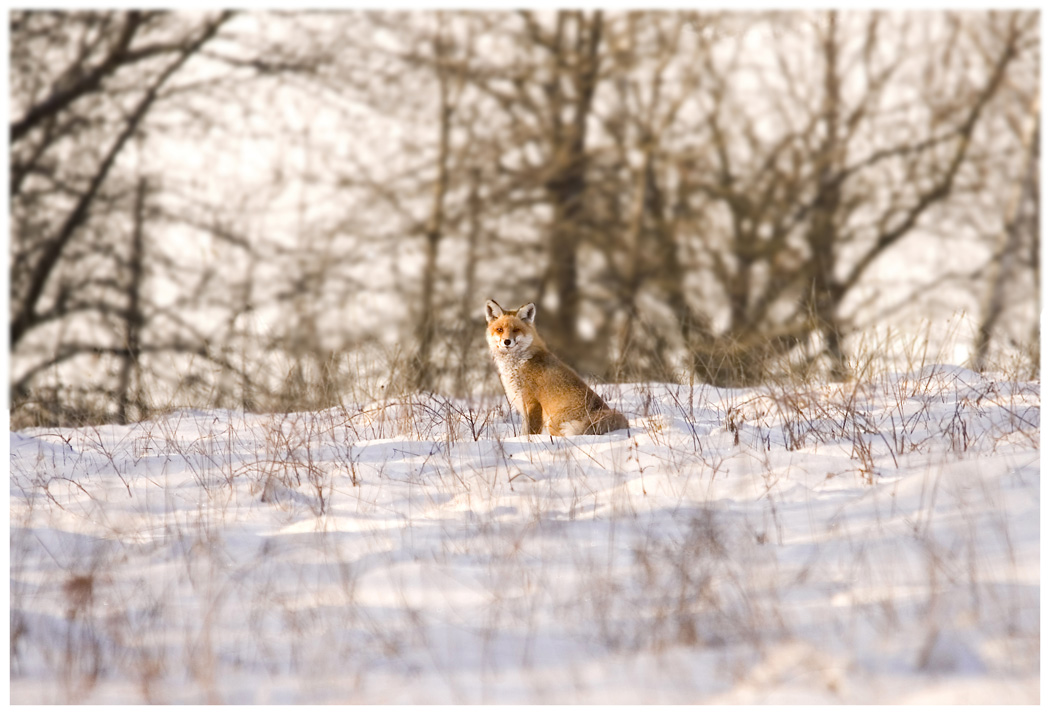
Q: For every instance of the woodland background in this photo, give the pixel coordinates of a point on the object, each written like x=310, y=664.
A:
x=277, y=211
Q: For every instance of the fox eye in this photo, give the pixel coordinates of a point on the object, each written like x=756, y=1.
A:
x=499, y=330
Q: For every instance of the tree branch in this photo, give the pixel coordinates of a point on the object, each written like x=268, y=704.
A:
x=90, y=82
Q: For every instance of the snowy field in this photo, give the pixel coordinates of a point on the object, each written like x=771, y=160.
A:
x=857, y=543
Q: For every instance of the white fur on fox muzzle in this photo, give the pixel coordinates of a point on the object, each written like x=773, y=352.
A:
x=518, y=342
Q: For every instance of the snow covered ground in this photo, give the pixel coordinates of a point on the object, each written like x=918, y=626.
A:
x=859, y=543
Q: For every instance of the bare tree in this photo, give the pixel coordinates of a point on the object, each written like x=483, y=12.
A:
x=133, y=317
x=42, y=125
x=546, y=92
x=850, y=198
x=82, y=86
x=1019, y=219
x=651, y=81
x=573, y=62
x=422, y=377
x=713, y=192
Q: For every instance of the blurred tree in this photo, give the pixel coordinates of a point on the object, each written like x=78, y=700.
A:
x=133, y=314
x=569, y=78
x=51, y=119
x=1009, y=246
x=82, y=85
x=653, y=77
x=543, y=86
x=814, y=201
x=719, y=193
x=1007, y=211
x=422, y=377
x=932, y=165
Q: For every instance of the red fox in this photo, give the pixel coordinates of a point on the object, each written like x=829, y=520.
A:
x=546, y=391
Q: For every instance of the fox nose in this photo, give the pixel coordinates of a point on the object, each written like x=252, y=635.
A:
x=506, y=341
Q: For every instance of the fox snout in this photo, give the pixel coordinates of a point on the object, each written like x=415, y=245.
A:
x=507, y=336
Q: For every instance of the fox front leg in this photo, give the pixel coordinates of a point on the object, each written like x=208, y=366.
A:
x=533, y=421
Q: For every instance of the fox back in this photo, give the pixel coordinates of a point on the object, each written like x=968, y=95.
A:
x=546, y=391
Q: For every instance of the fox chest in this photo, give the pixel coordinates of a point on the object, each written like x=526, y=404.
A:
x=514, y=383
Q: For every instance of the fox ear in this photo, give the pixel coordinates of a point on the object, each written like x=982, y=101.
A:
x=492, y=311
x=527, y=313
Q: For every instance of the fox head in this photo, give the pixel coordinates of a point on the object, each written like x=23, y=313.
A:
x=510, y=331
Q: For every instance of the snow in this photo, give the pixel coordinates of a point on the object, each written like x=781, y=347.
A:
x=873, y=542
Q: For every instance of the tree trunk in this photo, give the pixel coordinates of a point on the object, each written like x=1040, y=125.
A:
x=1002, y=266
x=632, y=278
x=133, y=317
x=422, y=376
x=822, y=234
x=567, y=179
x=468, y=311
